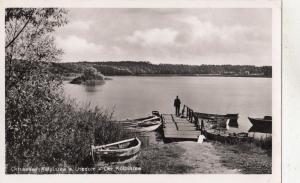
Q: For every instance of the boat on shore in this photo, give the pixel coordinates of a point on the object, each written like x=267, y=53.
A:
x=230, y=119
x=265, y=122
x=119, y=152
x=226, y=137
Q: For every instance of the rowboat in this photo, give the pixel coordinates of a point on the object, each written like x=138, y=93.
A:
x=217, y=117
x=154, y=117
x=213, y=116
x=149, y=122
x=226, y=137
x=120, y=152
x=146, y=121
x=141, y=129
x=265, y=122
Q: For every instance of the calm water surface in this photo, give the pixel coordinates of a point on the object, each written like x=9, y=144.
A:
x=132, y=97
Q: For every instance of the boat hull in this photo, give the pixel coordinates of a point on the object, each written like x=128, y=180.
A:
x=261, y=123
x=141, y=129
x=112, y=154
x=232, y=118
x=213, y=116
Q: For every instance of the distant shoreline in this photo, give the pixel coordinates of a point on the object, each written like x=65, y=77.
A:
x=187, y=75
x=130, y=68
x=107, y=77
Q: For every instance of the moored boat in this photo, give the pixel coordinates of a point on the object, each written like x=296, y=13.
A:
x=224, y=120
x=265, y=122
x=121, y=152
x=155, y=116
x=141, y=129
x=149, y=122
x=214, y=116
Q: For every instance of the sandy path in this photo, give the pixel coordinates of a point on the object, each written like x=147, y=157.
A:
x=203, y=158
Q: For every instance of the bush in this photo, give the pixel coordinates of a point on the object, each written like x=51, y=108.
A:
x=61, y=137
x=90, y=76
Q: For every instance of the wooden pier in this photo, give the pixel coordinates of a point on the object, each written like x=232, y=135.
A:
x=191, y=124
x=177, y=129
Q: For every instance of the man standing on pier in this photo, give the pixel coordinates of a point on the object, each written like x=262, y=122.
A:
x=177, y=105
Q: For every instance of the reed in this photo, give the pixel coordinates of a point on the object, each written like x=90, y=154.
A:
x=264, y=143
x=67, y=132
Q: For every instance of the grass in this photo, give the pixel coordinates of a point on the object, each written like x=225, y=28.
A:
x=264, y=143
x=247, y=157
x=155, y=159
x=161, y=159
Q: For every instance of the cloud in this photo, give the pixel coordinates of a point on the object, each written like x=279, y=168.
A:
x=78, y=48
x=153, y=37
x=187, y=35
x=79, y=25
x=209, y=38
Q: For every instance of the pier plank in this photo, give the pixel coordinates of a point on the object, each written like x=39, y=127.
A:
x=176, y=128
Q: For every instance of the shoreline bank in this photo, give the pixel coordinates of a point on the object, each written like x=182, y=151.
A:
x=205, y=158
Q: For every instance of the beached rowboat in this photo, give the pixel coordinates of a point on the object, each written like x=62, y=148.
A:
x=120, y=152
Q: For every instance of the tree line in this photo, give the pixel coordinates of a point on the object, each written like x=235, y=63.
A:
x=123, y=68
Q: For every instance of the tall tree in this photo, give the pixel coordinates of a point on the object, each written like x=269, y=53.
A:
x=30, y=90
x=28, y=39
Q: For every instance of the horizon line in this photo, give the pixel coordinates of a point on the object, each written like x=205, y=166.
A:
x=161, y=63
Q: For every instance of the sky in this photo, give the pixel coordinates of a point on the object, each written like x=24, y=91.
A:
x=198, y=36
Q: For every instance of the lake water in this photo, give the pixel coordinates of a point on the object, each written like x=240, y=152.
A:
x=133, y=97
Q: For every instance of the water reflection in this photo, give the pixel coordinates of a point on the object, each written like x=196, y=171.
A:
x=133, y=97
x=93, y=86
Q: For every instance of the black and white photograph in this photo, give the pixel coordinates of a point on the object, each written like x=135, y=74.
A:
x=142, y=90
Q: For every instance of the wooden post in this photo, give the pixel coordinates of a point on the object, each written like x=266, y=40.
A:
x=182, y=112
x=197, y=123
x=187, y=112
x=162, y=120
x=191, y=115
x=174, y=122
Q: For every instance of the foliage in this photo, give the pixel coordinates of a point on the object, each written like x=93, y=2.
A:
x=28, y=40
x=90, y=76
x=90, y=72
x=30, y=90
x=42, y=127
x=146, y=68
